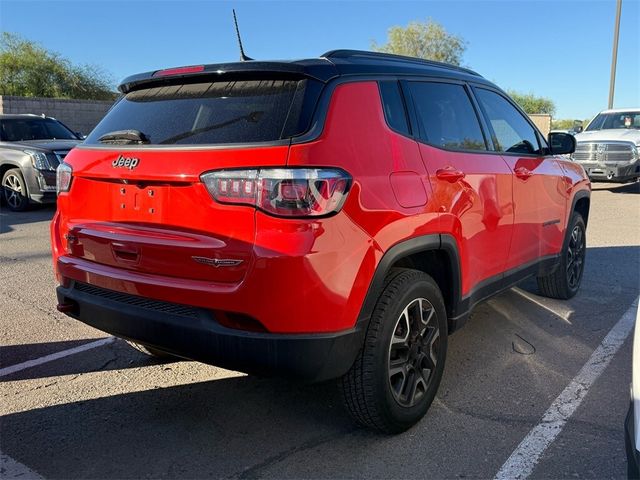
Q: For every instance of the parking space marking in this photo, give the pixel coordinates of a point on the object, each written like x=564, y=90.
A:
x=9, y=468
x=562, y=315
x=525, y=457
x=54, y=356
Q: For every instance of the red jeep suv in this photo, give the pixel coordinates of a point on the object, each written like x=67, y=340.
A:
x=328, y=218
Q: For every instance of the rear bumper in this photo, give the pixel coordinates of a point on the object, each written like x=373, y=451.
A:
x=194, y=333
x=302, y=277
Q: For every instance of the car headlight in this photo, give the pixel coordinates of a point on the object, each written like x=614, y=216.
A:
x=64, y=174
x=39, y=160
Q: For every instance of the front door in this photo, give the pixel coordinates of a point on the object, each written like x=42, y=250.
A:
x=539, y=196
x=472, y=186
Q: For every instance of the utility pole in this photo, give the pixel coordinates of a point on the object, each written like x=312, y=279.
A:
x=614, y=56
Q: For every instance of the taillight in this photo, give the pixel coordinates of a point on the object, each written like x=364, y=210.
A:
x=286, y=192
x=64, y=174
x=179, y=71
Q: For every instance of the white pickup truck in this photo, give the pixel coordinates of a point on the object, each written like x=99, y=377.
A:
x=608, y=148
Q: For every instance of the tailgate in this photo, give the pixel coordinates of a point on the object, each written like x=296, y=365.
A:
x=157, y=217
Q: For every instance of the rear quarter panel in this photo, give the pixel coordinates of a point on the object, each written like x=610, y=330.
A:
x=576, y=180
x=357, y=139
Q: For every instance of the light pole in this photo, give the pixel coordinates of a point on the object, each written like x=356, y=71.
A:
x=614, y=56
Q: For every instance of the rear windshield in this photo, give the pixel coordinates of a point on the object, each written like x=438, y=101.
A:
x=208, y=113
x=21, y=129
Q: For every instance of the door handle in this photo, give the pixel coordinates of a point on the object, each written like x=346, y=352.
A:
x=449, y=174
x=523, y=173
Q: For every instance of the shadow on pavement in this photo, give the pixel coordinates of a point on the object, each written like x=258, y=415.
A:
x=14, y=354
x=633, y=187
x=209, y=429
x=114, y=356
x=9, y=219
x=246, y=427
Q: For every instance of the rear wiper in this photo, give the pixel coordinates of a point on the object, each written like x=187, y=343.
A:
x=124, y=137
x=252, y=117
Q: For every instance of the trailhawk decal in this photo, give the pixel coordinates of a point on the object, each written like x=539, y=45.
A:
x=218, y=262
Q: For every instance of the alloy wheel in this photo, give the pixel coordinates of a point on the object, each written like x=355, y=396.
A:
x=13, y=190
x=413, y=352
x=575, y=257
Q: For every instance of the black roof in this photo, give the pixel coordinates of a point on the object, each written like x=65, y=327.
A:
x=329, y=65
x=391, y=62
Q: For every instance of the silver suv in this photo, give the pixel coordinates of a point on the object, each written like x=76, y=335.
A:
x=31, y=148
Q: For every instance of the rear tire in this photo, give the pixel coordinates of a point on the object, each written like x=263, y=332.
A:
x=14, y=190
x=564, y=282
x=397, y=373
x=152, y=352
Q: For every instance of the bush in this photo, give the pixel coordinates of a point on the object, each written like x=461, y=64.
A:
x=29, y=70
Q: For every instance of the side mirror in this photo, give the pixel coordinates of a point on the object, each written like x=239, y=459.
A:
x=562, y=143
x=578, y=129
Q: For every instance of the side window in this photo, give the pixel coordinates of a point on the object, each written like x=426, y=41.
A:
x=393, y=106
x=446, y=116
x=513, y=134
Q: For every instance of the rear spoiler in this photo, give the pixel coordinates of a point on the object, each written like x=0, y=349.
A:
x=318, y=69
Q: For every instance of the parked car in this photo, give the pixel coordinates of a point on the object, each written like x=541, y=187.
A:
x=608, y=147
x=329, y=218
x=31, y=148
x=570, y=131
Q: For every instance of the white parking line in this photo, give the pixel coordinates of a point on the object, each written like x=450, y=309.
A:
x=54, y=356
x=526, y=456
x=9, y=468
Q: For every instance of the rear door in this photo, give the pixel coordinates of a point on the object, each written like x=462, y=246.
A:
x=472, y=185
x=538, y=189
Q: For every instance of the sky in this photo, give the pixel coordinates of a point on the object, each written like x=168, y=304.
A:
x=559, y=49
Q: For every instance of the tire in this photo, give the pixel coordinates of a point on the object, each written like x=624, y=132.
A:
x=408, y=327
x=14, y=190
x=564, y=282
x=152, y=352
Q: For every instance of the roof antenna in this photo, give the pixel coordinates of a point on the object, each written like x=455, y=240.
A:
x=243, y=57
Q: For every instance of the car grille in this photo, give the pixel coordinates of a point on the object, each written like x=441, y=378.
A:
x=60, y=154
x=141, y=302
x=603, y=152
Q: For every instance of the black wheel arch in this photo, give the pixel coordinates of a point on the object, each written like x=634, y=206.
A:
x=581, y=203
x=435, y=254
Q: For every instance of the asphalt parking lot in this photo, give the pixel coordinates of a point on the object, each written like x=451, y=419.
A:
x=111, y=412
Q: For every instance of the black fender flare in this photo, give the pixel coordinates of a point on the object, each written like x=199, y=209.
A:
x=423, y=243
x=579, y=195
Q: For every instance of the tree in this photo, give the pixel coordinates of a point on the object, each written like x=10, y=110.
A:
x=27, y=69
x=568, y=124
x=532, y=104
x=428, y=40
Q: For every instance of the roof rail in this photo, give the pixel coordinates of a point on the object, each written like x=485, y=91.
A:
x=392, y=56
